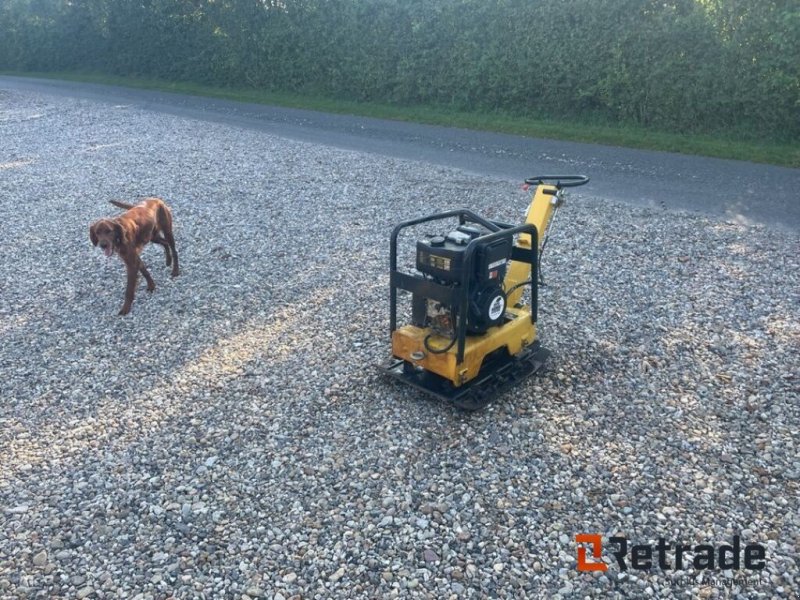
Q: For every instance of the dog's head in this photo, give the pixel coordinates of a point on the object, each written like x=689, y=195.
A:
x=108, y=234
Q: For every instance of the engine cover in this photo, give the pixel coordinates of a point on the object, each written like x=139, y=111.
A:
x=442, y=257
x=487, y=307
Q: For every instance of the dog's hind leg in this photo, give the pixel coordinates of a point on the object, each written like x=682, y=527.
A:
x=162, y=242
x=171, y=242
x=165, y=227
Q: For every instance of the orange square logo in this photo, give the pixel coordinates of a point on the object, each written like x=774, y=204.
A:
x=596, y=542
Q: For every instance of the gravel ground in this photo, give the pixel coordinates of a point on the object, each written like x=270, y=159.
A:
x=228, y=438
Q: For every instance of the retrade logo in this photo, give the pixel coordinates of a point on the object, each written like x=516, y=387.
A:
x=669, y=555
x=596, y=542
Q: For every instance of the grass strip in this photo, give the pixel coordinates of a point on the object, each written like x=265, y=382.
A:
x=737, y=148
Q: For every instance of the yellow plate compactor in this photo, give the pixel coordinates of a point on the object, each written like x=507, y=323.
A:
x=470, y=334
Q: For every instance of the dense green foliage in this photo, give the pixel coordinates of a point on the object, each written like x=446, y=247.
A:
x=695, y=66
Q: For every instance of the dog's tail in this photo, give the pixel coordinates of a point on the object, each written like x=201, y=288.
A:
x=121, y=204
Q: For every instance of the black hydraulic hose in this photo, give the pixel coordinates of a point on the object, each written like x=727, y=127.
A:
x=519, y=285
x=438, y=350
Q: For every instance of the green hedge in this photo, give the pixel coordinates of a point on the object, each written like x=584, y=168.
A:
x=697, y=66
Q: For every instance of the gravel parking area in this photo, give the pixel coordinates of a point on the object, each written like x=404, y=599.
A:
x=229, y=439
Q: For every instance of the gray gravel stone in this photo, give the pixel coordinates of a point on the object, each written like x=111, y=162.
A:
x=228, y=438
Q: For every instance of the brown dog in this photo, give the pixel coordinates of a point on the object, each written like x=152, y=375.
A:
x=127, y=235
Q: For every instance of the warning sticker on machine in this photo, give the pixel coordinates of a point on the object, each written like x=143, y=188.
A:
x=497, y=308
x=497, y=263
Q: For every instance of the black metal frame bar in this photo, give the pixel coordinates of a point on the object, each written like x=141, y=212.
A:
x=460, y=295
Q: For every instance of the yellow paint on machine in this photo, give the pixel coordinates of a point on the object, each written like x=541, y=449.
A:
x=539, y=214
x=514, y=335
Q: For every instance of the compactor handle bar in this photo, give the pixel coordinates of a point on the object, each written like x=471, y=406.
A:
x=561, y=181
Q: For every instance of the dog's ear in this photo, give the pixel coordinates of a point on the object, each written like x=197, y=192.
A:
x=92, y=234
x=120, y=236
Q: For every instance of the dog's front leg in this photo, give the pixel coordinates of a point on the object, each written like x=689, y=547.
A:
x=133, y=272
x=151, y=285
